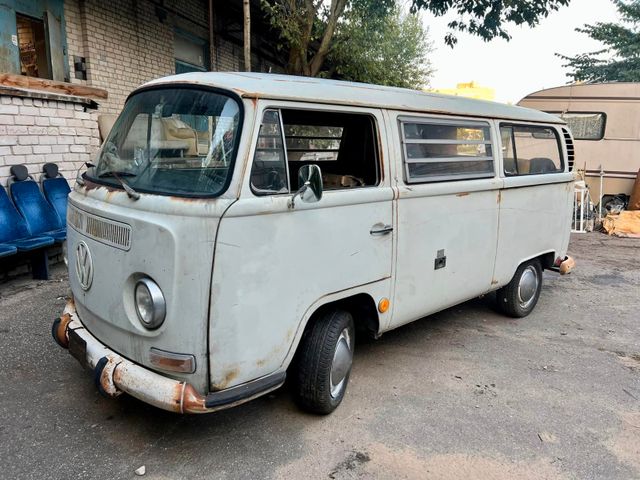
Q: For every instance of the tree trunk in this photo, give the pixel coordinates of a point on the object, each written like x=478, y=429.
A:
x=247, y=35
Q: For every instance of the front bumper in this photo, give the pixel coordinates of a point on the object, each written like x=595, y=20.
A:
x=114, y=374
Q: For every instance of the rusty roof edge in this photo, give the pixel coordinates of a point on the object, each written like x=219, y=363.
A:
x=270, y=86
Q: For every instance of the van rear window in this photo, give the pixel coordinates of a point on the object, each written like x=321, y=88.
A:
x=446, y=150
x=530, y=150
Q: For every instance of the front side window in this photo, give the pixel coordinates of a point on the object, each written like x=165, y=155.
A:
x=585, y=126
x=172, y=141
x=530, y=150
x=446, y=150
x=344, y=145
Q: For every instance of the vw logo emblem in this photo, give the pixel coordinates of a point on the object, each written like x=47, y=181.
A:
x=84, y=265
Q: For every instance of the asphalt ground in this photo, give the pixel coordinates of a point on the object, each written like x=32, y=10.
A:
x=464, y=394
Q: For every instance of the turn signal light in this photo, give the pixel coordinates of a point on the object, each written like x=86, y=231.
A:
x=383, y=305
x=172, y=362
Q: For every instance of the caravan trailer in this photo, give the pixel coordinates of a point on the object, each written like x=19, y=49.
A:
x=604, y=119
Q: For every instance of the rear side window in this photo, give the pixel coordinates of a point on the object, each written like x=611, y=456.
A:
x=446, y=150
x=530, y=150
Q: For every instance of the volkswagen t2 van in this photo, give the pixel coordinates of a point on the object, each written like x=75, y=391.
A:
x=237, y=229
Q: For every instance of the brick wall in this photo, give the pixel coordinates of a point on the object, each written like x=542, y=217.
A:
x=37, y=131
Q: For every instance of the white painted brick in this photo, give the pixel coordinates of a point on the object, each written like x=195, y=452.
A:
x=23, y=120
x=5, y=100
x=22, y=149
x=47, y=140
x=37, y=130
x=65, y=113
x=59, y=121
x=15, y=159
x=5, y=151
x=48, y=112
x=66, y=140
x=9, y=109
x=17, y=130
x=56, y=158
x=28, y=140
x=3, y=129
x=16, y=100
x=82, y=140
x=77, y=149
x=60, y=148
x=42, y=149
x=6, y=120
x=8, y=140
x=74, y=122
x=29, y=110
x=27, y=101
x=43, y=121
x=37, y=102
x=67, y=131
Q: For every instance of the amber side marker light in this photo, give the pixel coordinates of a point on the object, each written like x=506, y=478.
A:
x=173, y=362
x=383, y=305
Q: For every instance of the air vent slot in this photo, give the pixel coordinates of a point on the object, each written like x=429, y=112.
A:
x=570, y=148
x=100, y=229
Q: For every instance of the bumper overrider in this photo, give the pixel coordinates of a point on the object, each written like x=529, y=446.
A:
x=115, y=374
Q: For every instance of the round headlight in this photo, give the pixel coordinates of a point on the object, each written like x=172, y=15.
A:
x=150, y=304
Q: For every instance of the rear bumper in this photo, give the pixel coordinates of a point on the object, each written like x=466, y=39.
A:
x=115, y=374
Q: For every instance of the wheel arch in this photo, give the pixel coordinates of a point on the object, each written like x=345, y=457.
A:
x=359, y=303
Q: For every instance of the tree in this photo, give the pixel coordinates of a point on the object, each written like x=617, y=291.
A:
x=246, y=10
x=308, y=28
x=619, y=61
x=302, y=23
x=488, y=18
x=385, y=47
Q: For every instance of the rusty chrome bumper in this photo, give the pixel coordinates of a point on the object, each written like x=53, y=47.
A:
x=115, y=375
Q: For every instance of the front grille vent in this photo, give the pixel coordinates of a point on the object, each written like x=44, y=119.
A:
x=100, y=229
x=570, y=148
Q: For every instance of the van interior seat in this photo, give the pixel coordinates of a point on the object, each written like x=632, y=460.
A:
x=542, y=165
x=39, y=215
x=56, y=190
x=176, y=129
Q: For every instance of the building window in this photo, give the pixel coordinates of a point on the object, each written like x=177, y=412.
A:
x=32, y=44
x=437, y=150
x=585, y=125
x=530, y=150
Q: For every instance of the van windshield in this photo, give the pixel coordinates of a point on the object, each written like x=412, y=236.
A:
x=172, y=141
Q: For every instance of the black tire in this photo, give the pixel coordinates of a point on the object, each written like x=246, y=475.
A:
x=312, y=381
x=509, y=299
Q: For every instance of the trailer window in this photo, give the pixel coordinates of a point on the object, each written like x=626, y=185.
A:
x=446, y=150
x=585, y=126
x=530, y=150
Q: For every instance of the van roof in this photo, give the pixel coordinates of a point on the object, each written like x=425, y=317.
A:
x=288, y=87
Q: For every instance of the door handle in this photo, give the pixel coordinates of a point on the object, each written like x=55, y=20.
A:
x=381, y=230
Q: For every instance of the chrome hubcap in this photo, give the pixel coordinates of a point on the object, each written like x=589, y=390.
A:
x=528, y=286
x=342, y=358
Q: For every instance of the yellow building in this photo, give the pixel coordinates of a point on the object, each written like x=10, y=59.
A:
x=470, y=90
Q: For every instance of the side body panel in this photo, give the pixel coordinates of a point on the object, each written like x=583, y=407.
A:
x=457, y=219
x=535, y=218
x=274, y=264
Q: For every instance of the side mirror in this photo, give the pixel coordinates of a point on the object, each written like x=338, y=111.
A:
x=310, y=181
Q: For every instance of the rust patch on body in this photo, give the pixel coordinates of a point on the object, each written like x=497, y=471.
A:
x=462, y=194
x=190, y=401
x=61, y=331
x=228, y=378
x=494, y=282
x=499, y=197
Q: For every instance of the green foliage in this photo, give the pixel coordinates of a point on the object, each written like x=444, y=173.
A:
x=487, y=18
x=619, y=61
x=359, y=40
x=385, y=47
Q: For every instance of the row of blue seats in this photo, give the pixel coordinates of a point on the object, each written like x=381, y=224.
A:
x=35, y=215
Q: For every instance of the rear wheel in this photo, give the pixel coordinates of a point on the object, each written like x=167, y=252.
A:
x=520, y=296
x=323, y=362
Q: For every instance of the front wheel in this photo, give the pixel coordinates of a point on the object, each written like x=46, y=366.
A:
x=323, y=363
x=519, y=297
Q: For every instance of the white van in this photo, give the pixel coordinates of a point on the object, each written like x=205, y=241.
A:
x=240, y=228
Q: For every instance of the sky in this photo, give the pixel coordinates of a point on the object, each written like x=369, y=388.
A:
x=527, y=62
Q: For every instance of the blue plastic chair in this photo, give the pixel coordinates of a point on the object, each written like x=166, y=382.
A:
x=40, y=216
x=15, y=238
x=56, y=190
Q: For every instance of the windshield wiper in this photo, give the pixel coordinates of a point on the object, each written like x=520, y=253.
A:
x=118, y=176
